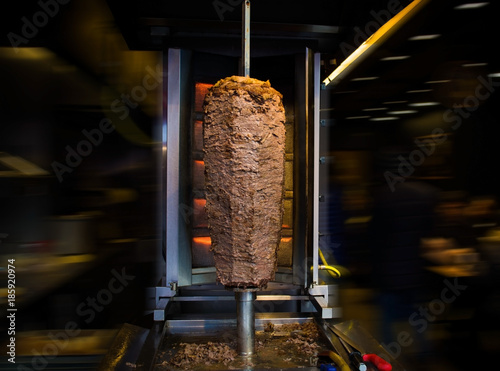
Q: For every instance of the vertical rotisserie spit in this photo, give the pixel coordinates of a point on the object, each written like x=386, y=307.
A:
x=244, y=147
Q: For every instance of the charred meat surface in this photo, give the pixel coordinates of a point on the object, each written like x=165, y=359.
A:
x=244, y=154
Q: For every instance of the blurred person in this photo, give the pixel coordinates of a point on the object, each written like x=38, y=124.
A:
x=465, y=219
x=451, y=223
x=480, y=214
x=344, y=197
x=357, y=206
x=332, y=216
x=402, y=214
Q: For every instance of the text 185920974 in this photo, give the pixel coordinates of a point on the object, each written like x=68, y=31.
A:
x=11, y=310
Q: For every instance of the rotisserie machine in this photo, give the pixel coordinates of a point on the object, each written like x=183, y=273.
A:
x=189, y=301
x=189, y=306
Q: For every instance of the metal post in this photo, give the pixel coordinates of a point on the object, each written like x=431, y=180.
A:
x=245, y=47
x=171, y=149
x=316, y=83
x=245, y=314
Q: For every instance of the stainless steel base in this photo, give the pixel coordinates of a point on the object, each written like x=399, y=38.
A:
x=271, y=351
x=245, y=317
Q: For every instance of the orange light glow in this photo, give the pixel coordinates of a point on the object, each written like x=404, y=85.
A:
x=202, y=241
x=286, y=239
x=199, y=202
x=201, y=91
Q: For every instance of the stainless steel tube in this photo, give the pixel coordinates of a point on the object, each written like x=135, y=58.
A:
x=245, y=44
x=245, y=313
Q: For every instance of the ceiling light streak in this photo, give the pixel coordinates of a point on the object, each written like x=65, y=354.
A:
x=404, y=112
x=424, y=104
x=479, y=64
x=424, y=37
x=388, y=118
x=357, y=117
x=395, y=58
x=419, y=91
x=367, y=78
x=374, y=41
x=467, y=6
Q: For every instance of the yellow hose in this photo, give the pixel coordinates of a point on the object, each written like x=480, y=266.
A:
x=339, y=361
x=329, y=268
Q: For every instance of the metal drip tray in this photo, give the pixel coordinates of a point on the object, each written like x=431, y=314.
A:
x=280, y=344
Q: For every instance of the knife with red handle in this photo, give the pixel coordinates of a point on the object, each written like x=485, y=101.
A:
x=379, y=362
x=369, y=360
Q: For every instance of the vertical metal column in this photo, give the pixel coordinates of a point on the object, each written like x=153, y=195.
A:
x=303, y=170
x=169, y=176
x=245, y=316
x=245, y=47
x=245, y=312
x=316, y=122
x=171, y=148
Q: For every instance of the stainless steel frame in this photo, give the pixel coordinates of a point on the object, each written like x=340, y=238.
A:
x=172, y=148
x=315, y=223
x=314, y=298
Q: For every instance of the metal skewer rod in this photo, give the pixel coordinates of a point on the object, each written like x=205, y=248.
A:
x=245, y=316
x=246, y=38
x=245, y=311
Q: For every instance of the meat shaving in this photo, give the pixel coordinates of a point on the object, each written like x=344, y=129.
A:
x=290, y=342
x=304, y=338
x=190, y=355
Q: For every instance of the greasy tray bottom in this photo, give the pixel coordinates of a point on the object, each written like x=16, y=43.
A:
x=286, y=346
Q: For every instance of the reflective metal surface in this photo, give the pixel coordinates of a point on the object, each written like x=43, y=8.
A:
x=282, y=342
x=246, y=38
x=171, y=167
x=245, y=314
x=204, y=324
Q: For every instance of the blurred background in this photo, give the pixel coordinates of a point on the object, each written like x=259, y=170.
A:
x=79, y=174
x=408, y=146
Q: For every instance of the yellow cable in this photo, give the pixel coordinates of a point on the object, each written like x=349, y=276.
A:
x=322, y=257
x=339, y=361
x=329, y=268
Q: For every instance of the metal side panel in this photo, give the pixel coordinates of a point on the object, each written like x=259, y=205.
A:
x=171, y=138
x=303, y=169
x=316, y=106
x=178, y=260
